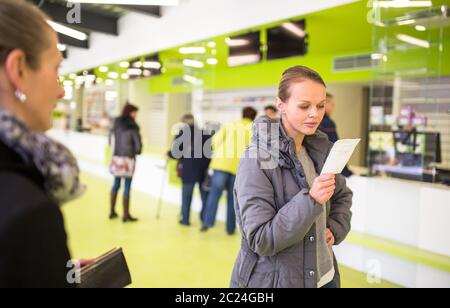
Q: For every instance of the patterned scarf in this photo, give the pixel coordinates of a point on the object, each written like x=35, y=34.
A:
x=54, y=161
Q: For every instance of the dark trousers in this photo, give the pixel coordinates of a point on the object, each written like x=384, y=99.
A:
x=186, y=200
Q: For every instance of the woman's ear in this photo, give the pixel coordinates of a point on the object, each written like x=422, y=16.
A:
x=281, y=105
x=16, y=69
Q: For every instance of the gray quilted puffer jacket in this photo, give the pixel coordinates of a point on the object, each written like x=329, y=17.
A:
x=276, y=214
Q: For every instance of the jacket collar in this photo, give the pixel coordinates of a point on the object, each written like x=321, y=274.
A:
x=317, y=145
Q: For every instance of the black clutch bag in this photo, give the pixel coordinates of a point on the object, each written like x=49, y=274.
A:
x=108, y=271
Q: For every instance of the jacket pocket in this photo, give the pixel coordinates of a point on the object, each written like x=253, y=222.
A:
x=248, y=264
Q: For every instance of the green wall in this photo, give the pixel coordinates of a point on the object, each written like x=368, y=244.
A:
x=339, y=31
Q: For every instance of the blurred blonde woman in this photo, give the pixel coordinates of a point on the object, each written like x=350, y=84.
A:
x=37, y=174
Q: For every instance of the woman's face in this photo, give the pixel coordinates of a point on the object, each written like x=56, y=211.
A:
x=43, y=89
x=305, y=108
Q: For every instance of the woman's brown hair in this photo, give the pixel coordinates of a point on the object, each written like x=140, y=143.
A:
x=296, y=74
x=23, y=26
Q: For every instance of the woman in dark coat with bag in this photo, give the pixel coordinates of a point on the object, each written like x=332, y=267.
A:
x=126, y=141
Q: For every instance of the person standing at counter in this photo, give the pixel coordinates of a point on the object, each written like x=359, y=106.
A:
x=125, y=139
x=289, y=216
x=193, y=162
x=328, y=126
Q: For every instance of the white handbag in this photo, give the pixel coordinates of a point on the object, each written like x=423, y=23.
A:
x=122, y=166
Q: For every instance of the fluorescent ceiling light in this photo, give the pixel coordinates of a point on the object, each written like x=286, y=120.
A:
x=124, y=64
x=192, y=50
x=146, y=73
x=152, y=64
x=113, y=75
x=131, y=2
x=413, y=40
x=90, y=78
x=134, y=72
x=401, y=4
x=192, y=79
x=421, y=28
x=125, y=76
x=81, y=36
x=236, y=42
x=79, y=80
x=242, y=60
x=377, y=56
x=212, y=61
x=137, y=64
x=193, y=63
x=62, y=47
x=294, y=29
x=212, y=44
x=103, y=69
x=406, y=22
x=109, y=82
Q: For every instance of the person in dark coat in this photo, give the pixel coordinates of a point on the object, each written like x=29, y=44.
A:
x=328, y=126
x=126, y=141
x=37, y=174
x=192, y=148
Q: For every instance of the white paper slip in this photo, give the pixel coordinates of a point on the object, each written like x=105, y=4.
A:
x=339, y=156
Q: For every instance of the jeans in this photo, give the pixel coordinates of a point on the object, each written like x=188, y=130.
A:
x=186, y=200
x=116, y=186
x=219, y=182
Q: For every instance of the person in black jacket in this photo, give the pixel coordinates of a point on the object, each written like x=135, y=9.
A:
x=37, y=174
x=192, y=148
x=328, y=126
x=127, y=144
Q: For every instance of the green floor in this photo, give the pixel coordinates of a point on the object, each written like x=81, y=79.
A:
x=160, y=253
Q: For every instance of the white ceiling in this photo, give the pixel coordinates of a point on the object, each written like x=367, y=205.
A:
x=191, y=21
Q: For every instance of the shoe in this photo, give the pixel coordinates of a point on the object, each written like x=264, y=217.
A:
x=126, y=211
x=113, y=199
x=184, y=224
x=129, y=219
x=230, y=233
x=204, y=229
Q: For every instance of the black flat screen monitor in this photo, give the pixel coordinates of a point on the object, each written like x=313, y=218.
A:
x=244, y=49
x=287, y=40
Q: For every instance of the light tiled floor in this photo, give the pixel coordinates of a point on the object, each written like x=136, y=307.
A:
x=160, y=253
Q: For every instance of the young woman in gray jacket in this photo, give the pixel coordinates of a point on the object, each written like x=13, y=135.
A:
x=289, y=216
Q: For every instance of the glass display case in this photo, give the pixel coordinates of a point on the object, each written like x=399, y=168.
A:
x=409, y=135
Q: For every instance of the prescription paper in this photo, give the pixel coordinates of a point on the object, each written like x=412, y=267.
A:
x=339, y=156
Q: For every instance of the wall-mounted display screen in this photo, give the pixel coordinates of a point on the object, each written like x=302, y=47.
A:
x=244, y=49
x=287, y=40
